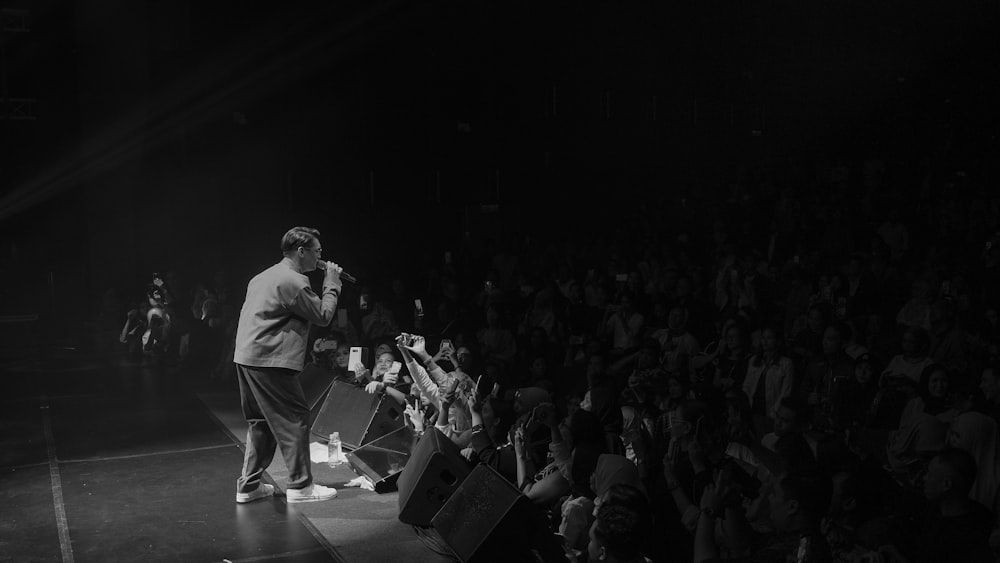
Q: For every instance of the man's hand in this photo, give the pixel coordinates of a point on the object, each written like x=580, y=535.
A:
x=374, y=387
x=390, y=379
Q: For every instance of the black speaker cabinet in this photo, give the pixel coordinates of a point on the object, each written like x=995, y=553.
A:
x=359, y=416
x=482, y=513
x=383, y=459
x=435, y=469
x=315, y=382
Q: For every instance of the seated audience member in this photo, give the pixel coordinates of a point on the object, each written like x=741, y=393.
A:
x=988, y=400
x=923, y=424
x=952, y=526
x=623, y=325
x=823, y=376
x=857, y=395
x=730, y=365
x=770, y=378
x=677, y=344
x=911, y=361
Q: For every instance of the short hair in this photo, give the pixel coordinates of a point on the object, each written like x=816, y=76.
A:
x=296, y=237
x=622, y=529
x=626, y=495
x=962, y=466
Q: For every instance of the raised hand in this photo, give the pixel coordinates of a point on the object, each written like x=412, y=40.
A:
x=416, y=417
x=519, y=441
x=417, y=346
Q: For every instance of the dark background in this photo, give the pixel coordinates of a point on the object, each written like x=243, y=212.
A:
x=190, y=135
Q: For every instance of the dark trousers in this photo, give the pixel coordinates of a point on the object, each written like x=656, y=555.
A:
x=278, y=416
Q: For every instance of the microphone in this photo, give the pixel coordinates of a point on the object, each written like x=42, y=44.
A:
x=321, y=265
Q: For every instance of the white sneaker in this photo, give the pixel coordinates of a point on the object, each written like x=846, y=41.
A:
x=312, y=493
x=264, y=490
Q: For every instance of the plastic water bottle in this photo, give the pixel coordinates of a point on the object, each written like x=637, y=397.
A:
x=335, y=453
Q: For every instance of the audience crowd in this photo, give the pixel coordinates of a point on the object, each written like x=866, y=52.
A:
x=771, y=373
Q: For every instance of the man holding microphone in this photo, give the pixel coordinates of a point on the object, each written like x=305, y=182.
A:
x=270, y=351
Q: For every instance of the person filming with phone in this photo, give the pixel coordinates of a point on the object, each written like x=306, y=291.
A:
x=270, y=350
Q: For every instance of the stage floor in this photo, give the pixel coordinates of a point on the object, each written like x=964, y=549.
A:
x=105, y=460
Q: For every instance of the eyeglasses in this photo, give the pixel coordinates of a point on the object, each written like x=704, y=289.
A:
x=318, y=251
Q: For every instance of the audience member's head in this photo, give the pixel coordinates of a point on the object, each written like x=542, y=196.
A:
x=799, y=500
x=618, y=532
x=950, y=474
x=793, y=416
x=989, y=384
x=933, y=389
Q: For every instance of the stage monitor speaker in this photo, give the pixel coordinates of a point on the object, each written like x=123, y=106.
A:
x=315, y=381
x=359, y=416
x=435, y=469
x=383, y=459
x=482, y=515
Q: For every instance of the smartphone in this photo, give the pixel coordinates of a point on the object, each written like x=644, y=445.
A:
x=357, y=357
x=395, y=367
x=419, y=306
x=363, y=302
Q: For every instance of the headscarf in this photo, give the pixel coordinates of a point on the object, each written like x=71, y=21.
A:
x=531, y=397
x=976, y=433
x=613, y=469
